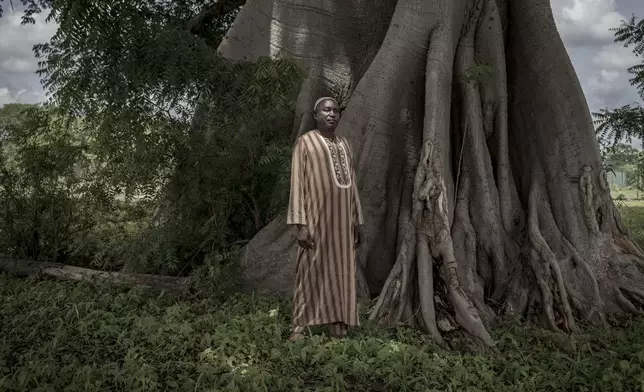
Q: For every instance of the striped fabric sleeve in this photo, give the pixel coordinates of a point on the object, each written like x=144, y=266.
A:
x=296, y=214
x=357, y=207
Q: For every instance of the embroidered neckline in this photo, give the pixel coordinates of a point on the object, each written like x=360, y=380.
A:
x=338, y=160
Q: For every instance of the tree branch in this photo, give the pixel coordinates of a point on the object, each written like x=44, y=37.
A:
x=23, y=268
x=198, y=25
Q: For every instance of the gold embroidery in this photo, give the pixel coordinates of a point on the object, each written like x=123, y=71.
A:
x=339, y=159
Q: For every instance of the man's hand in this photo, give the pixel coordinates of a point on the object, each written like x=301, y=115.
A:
x=304, y=238
x=357, y=236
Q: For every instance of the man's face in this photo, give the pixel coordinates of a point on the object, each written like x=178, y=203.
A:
x=327, y=115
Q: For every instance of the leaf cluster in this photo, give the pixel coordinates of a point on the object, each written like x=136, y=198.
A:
x=31, y=8
x=626, y=122
x=135, y=56
x=629, y=33
x=620, y=124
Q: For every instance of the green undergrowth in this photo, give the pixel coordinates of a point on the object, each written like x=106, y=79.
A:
x=59, y=336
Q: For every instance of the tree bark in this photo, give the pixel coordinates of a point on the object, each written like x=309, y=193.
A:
x=483, y=193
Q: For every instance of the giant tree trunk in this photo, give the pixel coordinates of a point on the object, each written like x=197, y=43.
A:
x=483, y=192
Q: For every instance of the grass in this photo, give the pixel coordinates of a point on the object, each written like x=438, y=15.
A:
x=632, y=211
x=60, y=336
x=628, y=193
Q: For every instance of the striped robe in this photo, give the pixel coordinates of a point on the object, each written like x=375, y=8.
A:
x=325, y=198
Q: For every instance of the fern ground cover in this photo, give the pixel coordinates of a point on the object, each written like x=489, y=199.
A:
x=59, y=336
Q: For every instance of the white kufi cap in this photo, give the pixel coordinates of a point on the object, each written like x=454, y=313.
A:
x=323, y=99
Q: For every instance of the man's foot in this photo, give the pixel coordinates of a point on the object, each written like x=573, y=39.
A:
x=338, y=330
x=295, y=336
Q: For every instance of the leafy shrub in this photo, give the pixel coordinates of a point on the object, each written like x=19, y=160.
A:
x=78, y=337
x=46, y=194
x=168, y=193
x=190, y=149
x=232, y=168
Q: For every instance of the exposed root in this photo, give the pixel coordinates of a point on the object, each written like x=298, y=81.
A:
x=434, y=227
x=430, y=222
x=635, y=296
x=466, y=250
x=574, y=298
x=518, y=296
x=595, y=309
x=563, y=293
x=635, y=291
x=405, y=288
x=625, y=303
x=593, y=313
x=426, y=297
x=409, y=314
x=158, y=283
x=543, y=252
x=542, y=272
x=396, y=287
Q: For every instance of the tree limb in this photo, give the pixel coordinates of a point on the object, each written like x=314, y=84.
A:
x=198, y=25
x=25, y=268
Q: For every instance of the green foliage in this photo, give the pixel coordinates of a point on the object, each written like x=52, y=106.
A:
x=629, y=33
x=57, y=200
x=77, y=337
x=150, y=66
x=140, y=88
x=161, y=203
x=134, y=71
x=231, y=176
x=12, y=114
x=627, y=159
x=45, y=198
x=214, y=279
x=620, y=155
x=626, y=122
x=197, y=144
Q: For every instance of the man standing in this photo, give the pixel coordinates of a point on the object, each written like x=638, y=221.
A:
x=325, y=207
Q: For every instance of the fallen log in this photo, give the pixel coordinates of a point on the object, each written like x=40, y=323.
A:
x=30, y=268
